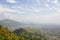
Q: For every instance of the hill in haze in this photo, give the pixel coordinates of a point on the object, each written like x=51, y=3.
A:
x=30, y=35
x=11, y=24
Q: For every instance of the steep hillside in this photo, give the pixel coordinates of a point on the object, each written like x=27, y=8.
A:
x=6, y=34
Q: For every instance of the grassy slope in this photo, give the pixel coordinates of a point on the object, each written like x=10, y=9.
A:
x=6, y=34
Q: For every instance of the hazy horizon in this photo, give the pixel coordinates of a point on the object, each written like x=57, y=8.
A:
x=36, y=11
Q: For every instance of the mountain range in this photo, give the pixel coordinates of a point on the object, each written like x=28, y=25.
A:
x=12, y=24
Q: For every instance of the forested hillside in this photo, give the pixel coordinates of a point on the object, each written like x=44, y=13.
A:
x=23, y=34
x=6, y=34
x=30, y=34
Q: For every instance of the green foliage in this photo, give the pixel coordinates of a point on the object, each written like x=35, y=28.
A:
x=21, y=34
x=6, y=34
x=29, y=35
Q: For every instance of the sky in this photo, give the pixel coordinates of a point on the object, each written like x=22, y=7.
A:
x=36, y=11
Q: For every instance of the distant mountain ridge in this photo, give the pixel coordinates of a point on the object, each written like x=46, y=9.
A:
x=10, y=23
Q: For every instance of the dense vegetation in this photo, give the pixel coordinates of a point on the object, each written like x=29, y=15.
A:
x=22, y=34
x=32, y=29
x=6, y=34
x=30, y=35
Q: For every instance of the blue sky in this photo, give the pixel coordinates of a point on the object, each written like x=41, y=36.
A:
x=36, y=11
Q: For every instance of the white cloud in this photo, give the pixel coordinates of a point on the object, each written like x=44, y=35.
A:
x=5, y=12
x=35, y=16
x=58, y=10
x=11, y=1
x=47, y=5
x=38, y=2
x=2, y=9
x=55, y=1
x=48, y=0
